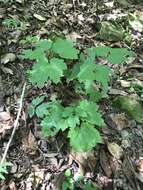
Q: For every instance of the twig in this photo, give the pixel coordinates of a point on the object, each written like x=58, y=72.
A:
x=14, y=125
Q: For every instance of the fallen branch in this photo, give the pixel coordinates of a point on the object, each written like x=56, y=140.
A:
x=14, y=125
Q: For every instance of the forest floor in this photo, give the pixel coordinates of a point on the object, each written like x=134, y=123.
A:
x=39, y=163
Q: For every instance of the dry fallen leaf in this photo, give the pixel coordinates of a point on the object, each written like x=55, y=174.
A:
x=20, y=1
x=2, y=12
x=9, y=57
x=6, y=122
x=29, y=143
x=115, y=150
x=104, y=162
x=139, y=13
x=86, y=161
x=12, y=186
x=140, y=164
x=121, y=121
x=73, y=36
x=39, y=17
x=125, y=83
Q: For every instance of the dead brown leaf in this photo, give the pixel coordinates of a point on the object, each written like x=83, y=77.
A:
x=12, y=186
x=73, y=36
x=6, y=122
x=121, y=121
x=29, y=143
x=105, y=163
x=115, y=150
x=85, y=160
x=140, y=164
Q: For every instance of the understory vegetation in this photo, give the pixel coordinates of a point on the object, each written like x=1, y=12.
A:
x=71, y=95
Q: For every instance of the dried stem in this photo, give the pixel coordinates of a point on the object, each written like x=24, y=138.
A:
x=14, y=125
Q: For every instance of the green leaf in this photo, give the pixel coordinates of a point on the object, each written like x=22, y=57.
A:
x=3, y=169
x=68, y=111
x=65, y=49
x=41, y=110
x=31, y=110
x=119, y=55
x=94, y=94
x=54, y=122
x=68, y=185
x=39, y=52
x=39, y=73
x=84, y=138
x=68, y=173
x=5, y=164
x=91, y=72
x=43, y=71
x=74, y=72
x=102, y=51
x=89, y=186
x=88, y=111
x=55, y=69
x=70, y=115
x=102, y=75
x=2, y=176
x=91, y=55
x=44, y=45
x=49, y=126
x=87, y=72
x=37, y=101
x=73, y=121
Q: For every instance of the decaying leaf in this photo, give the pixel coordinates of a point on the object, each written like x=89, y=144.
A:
x=125, y=83
x=9, y=57
x=120, y=121
x=29, y=143
x=73, y=36
x=115, y=150
x=6, y=122
x=104, y=162
x=39, y=17
x=85, y=160
x=140, y=164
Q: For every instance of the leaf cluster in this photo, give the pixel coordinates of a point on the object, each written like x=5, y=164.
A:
x=3, y=169
x=59, y=59
x=78, y=118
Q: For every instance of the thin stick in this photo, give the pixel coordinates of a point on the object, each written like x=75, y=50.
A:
x=14, y=125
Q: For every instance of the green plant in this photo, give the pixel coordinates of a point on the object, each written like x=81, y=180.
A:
x=61, y=63
x=30, y=39
x=70, y=183
x=12, y=23
x=3, y=169
x=89, y=186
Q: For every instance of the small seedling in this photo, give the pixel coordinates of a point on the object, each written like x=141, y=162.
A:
x=3, y=169
x=60, y=62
